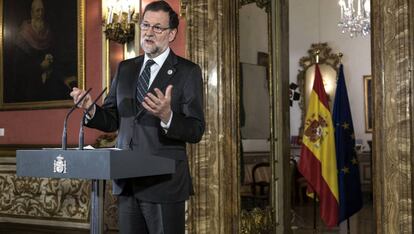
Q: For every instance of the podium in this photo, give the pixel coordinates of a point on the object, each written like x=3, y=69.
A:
x=95, y=165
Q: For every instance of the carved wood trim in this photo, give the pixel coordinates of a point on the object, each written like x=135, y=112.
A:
x=211, y=26
x=266, y=4
x=183, y=7
x=392, y=42
x=280, y=143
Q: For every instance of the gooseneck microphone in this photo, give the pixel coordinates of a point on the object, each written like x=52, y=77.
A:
x=81, y=134
x=65, y=123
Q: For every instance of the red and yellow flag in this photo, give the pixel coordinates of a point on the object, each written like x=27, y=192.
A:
x=317, y=158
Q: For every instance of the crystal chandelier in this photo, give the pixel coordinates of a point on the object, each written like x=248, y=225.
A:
x=355, y=22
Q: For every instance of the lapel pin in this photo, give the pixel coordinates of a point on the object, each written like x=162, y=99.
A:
x=170, y=72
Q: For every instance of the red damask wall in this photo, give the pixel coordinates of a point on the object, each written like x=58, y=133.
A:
x=45, y=126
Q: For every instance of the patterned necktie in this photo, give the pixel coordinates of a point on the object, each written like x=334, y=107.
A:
x=143, y=81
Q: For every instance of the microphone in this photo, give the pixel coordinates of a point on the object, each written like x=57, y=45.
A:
x=84, y=117
x=65, y=123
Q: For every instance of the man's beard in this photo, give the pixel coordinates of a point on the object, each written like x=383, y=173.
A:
x=150, y=50
x=38, y=25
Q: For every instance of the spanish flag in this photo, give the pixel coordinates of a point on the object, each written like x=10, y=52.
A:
x=317, y=158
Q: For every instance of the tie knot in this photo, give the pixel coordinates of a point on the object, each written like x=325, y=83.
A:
x=149, y=63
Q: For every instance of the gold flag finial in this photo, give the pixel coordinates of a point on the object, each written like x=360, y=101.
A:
x=340, y=55
x=317, y=52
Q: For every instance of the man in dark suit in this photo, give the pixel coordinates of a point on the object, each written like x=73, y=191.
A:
x=155, y=120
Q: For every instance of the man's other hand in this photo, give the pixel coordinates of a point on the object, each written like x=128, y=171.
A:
x=76, y=94
x=159, y=105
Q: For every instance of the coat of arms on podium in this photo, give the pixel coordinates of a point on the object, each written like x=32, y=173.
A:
x=59, y=165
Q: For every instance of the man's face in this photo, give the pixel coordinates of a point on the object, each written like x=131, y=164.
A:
x=38, y=10
x=154, y=43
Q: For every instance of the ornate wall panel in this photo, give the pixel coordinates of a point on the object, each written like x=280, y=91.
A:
x=40, y=197
x=47, y=205
x=110, y=209
x=392, y=81
x=211, y=43
x=41, y=201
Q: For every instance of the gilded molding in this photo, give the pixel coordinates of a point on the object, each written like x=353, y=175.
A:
x=280, y=144
x=392, y=43
x=256, y=221
x=183, y=7
x=211, y=26
x=325, y=56
x=266, y=4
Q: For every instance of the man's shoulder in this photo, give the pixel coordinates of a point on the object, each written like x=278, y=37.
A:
x=186, y=63
x=131, y=61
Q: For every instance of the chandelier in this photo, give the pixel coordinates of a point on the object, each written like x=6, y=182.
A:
x=119, y=21
x=355, y=20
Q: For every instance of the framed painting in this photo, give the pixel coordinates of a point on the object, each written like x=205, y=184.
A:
x=368, y=99
x=42, y=52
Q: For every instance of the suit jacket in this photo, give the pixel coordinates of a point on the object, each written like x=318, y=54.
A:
x=142, y=132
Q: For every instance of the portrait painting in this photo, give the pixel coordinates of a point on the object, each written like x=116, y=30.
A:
x=42, y=52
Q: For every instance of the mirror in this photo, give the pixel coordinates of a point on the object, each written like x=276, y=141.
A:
x=255, y=171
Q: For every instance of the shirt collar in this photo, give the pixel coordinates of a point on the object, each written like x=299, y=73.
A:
x=160, y=59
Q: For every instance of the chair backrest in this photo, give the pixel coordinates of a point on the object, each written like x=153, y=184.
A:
x=265, y=182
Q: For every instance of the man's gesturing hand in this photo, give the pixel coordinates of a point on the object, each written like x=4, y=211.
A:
x=159, y=105
x=78, y=93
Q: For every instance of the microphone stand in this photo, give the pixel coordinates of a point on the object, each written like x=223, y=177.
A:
x=97, y=186
x=81, y=131
x=65, y=123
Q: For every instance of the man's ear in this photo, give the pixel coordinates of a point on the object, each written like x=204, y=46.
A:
x=172, y=34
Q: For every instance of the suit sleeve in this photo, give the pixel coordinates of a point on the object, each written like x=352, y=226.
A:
x=188, y=124
x=106, y=117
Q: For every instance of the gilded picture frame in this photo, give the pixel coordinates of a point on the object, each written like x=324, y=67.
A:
x=42, y=48
x=368, y=105
x=328, y=65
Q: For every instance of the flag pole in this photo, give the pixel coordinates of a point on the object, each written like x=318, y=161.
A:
x=314, y=195
x=314, y=212
x=314, y=208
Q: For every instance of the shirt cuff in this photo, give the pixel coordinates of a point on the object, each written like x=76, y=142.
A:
x=90, y=114
x=167, y=125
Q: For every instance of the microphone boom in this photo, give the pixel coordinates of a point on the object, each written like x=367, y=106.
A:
x=81, y=134
x=65, y=122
